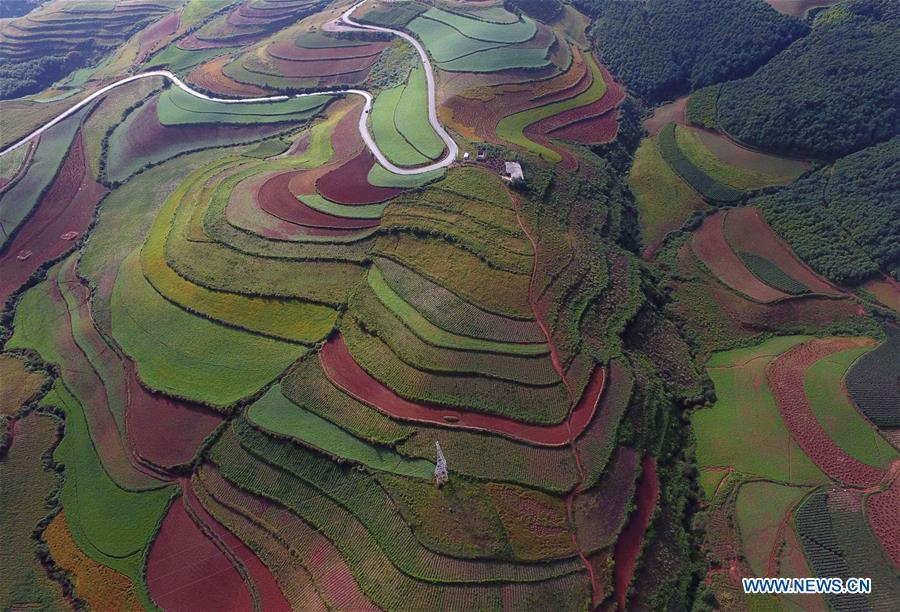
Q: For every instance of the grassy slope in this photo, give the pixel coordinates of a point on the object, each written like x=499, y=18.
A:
x=840, y=419
x=744, y=429
x=411, y=116
x=663, y=199
x=385, y=132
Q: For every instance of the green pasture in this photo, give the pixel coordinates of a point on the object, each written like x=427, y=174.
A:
x=386, y=134
x=839, y=418
x=275, y=413
x=500, y=58
x=744, y=430
x=512, y=127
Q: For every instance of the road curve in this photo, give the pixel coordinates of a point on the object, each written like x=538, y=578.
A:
x=452, y=148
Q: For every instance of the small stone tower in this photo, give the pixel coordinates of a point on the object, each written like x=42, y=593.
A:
x=440, y=470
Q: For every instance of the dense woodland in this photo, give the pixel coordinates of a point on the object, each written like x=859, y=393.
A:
x=844, y=221
x=664, y=47
x=830, y=93
x=544, y=10
x=22, y=77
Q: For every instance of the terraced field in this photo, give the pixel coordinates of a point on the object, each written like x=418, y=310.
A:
x=282, y=331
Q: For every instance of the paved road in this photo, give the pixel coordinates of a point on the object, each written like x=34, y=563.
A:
x=452, y=148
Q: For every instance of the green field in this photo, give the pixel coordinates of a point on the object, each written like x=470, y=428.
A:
x=186, y=355
x=177, y=107
x=843, y=423
x=366, y=211
x=511, y=128
x=433, y=334
x=692, y=145
x=769, y=273
x=386, y=133
x=747, y=417
x=760, y=508
x=501, y=58
x=26, y=481
x=110, y=524
x=664, y=200
x=516, y=32
x=275, y=413
x=444, y=43
x=180, y=60
x=379, y=177
x=411, y=116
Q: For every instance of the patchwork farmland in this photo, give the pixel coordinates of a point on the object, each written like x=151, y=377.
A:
x=406, y=305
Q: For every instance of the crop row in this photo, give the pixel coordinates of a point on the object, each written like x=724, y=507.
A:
x=547, y=468
x=316, y=477
x=423, y=355
x=872, y=382
x=293, y=578
x=510, y=400
x=496, y=291
x=447, y=310
x=600, y=512
x=705, y=185
x=275, y=414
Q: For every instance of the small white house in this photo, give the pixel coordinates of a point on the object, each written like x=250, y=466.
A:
x=514, y=172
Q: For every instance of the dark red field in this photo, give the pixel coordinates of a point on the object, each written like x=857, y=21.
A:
x=67, y=207
x=711, y=247
x=590, y=131
x=162, y=430
x=348, y=376
x=187, y=571
x=628, y=546
x=275, y=197
x=210, y=76
x=786, y=375
x=349, y=184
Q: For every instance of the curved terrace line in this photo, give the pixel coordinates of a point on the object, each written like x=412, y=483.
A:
x=349, y=25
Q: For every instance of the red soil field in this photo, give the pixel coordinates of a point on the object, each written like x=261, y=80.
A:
x=210, y=76
x=187, y=571
x=786, y=375
x=674, y=112
x=598, y=512
x=569, y=161
x=614, y=95
x=628, y=546
x=147, y=137
x=884, y=516
x=287, y=50
x=275, y=198
x=349, y=183
x=710, y=246
x=270, y=595
x=593, y=130
x=151, y=37
x=67, y=207
x=161, y=430
x=745, y=230
x=348, y=376
x=318, y=68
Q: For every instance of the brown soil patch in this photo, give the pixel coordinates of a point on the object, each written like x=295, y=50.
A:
x=210, y=76
x=674, y=112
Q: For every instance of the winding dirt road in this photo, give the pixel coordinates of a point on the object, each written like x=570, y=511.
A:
x=346, y=23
